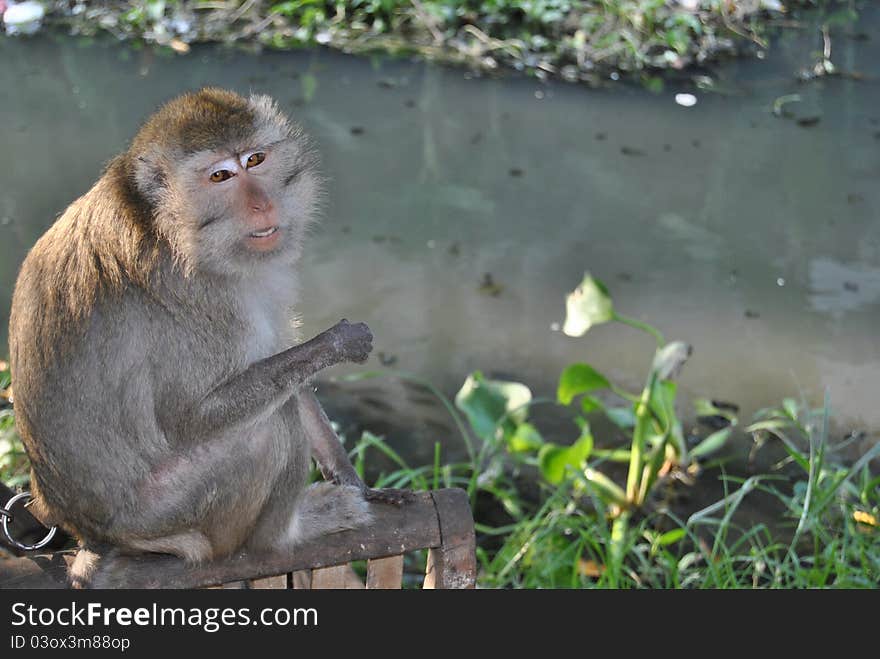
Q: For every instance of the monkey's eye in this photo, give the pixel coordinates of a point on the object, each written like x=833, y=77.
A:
x=220, y=175
x=255, y=159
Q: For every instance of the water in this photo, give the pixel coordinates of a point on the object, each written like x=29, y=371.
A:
x=751, y=237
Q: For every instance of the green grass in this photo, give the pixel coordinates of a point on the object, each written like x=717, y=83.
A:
x=577, y=41
x=564, y=539
x=14, y=470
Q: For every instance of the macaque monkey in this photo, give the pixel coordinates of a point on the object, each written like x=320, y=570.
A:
x=156, y=390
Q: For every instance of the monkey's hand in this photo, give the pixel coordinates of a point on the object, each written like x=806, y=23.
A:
x=353, y=342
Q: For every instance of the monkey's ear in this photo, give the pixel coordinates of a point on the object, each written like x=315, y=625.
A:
x=150, y=175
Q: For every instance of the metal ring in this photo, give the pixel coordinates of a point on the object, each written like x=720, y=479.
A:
x=5, y=523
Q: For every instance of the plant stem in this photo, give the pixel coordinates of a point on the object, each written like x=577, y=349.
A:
x=632, y=322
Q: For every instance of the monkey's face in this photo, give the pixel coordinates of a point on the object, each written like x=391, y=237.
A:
x=238, y=194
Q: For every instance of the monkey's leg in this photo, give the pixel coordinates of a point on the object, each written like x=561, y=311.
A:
x=267, y=384
x=331, y=457
x=185, y=481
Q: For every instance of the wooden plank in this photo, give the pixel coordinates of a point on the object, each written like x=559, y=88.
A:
x=302, y=580
x=278, y=582
x=385, y=573
x=454, y=563
x=395, y=530
x=335, y=577
x=25, y=573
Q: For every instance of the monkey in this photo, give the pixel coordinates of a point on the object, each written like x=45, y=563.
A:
x=161, y=394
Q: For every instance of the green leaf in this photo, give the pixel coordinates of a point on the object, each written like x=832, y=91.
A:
x=670, y=537
x=705, y=407
x=590, y=404
x=622, y=417
x=711, y=444
x=554, y=460
x=579, y=379
x=587, y=305
x=791, y=408
x=487, y=402
x=769, y=424
x=526, y=438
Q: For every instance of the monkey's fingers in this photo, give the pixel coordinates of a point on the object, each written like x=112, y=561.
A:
x=388, y=495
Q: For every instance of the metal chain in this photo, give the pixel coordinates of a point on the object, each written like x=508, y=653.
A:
x=6, y=515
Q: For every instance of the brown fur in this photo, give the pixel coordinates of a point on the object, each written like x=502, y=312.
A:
x=157, y=394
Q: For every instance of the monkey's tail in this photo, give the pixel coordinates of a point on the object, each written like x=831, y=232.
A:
x=325, y=508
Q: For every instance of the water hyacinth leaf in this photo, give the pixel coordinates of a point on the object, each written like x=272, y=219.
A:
x=587, y=305
x=622, y=417
x=524, y=439
x=669, y=359
x=590, y=404
x=711, y=444
x=579, y=379
x=554, y=460
x=486, y=402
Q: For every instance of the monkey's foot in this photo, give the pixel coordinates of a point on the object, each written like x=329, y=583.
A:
x=388, y=495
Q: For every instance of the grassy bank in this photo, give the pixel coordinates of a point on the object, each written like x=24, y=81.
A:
x=577, y=41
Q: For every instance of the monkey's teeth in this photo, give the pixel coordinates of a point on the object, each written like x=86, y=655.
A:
x=264, y=232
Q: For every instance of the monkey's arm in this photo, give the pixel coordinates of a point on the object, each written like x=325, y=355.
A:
x=267, y=384
x=328, y=452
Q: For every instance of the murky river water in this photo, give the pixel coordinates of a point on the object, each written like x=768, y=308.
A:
x=752, y=237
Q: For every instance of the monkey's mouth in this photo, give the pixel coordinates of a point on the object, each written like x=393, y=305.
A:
x=263, y=233
x=264, y=240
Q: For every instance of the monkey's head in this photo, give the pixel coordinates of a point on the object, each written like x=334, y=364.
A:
x=230, y=182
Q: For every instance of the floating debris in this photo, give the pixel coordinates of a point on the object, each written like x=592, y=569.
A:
x=807, y=122
x=23, y=18
x=489, y=287
x=357, y=130
x=686, y=100
x=516, y=172
x=179, y=46
x=630, y=151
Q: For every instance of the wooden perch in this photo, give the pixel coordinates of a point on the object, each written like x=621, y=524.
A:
x=439, y=521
